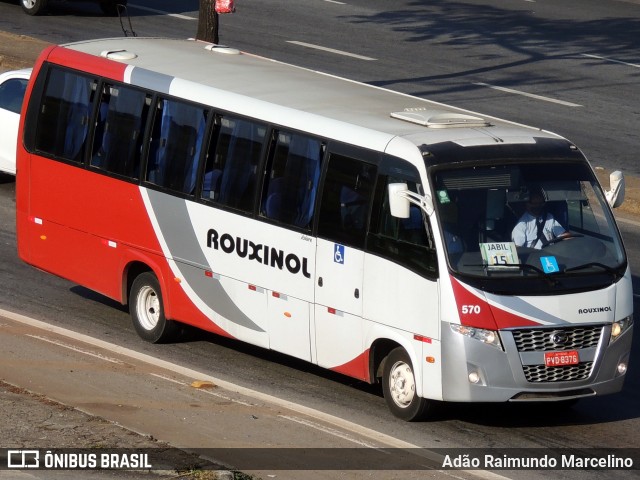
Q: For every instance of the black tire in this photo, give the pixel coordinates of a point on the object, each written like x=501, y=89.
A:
x=398, y=386
x=34, y=7
x=147, y=310
x=110, y=7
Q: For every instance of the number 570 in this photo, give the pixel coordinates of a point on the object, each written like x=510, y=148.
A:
x=467, y=309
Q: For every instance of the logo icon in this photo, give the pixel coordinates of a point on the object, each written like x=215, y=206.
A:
x=560, y=338
x=549, y=264
x=338, y=253
x=23, y=459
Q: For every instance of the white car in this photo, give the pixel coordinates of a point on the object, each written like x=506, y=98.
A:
x=12, y=87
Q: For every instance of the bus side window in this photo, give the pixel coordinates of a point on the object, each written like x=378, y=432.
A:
x=292, y=180
x=408, y=230
x=231, y=171
x=119, y=129
x=63, y=121
x=346, y=200
x=177, y=135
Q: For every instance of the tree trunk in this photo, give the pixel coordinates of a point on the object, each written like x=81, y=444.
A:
x=207, y=22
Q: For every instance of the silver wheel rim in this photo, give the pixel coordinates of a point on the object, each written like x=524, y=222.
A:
x=29, y=3
x=402, y=385
x=148, y=308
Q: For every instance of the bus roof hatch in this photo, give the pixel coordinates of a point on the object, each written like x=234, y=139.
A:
x=439, y=119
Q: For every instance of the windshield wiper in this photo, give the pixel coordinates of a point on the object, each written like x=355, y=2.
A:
x=496, y=268
x=606, y=268
x=520, y=266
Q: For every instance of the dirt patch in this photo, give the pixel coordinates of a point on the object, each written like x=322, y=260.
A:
x=19, y=51
x=33, y=421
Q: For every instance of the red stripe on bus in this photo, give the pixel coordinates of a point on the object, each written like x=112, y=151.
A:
x=88, y=63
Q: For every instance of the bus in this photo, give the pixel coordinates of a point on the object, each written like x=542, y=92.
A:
x=367, y=231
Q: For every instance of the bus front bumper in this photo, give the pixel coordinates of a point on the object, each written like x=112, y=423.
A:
x=477, y=372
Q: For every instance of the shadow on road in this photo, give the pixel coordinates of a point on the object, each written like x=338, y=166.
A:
x=522, y=32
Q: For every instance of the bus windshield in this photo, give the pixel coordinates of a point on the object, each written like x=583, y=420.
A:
x=536, y=222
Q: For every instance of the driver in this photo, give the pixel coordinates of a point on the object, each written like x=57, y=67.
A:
x=536, y=228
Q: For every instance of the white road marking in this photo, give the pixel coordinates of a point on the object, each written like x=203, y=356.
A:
x=634, y=65
x=328, y=430
x=168, y=379
x=76, y=349
x=530, y=95
x=635, y=223
x=330, y=50
x=334, y=1
x=229, y=399
x=161, y=12
x=215, y=394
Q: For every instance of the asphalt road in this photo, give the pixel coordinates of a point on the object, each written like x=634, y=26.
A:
x=576, y=52
x=578, y=58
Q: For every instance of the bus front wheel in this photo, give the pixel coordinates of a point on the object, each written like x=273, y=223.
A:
x=147, y=310
x=34, y=7
x=399, y=387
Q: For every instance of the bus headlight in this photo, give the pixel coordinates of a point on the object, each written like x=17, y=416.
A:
x=619, y=327
x=490, y=337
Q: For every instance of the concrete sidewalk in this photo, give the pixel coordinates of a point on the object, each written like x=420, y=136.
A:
x=68, y=386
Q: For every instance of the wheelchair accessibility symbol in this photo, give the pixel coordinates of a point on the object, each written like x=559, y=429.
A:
x=338, y=254
x=549, y=264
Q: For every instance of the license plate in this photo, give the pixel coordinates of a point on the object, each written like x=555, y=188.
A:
x=561, y=359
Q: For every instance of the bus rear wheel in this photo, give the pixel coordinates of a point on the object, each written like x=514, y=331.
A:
x=34, y=7
x=399, y=387
x=147, y=310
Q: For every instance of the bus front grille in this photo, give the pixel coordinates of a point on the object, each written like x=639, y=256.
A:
x=557, y=339
x=554, y=339
x=542, y=374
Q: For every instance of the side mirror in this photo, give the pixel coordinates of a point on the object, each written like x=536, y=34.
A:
x=615, y=196
x=401, y=198
x=398, y=202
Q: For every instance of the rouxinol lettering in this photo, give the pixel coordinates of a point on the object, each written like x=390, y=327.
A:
x=593, y=310
x=256, y=251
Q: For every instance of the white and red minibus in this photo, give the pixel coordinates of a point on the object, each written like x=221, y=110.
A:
x=370, y=232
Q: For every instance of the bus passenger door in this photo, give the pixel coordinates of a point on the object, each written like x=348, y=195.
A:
x=338, y=308
x=291, y=180
x=342, y=224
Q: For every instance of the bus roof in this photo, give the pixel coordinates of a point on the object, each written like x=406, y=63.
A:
x=361, y=113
